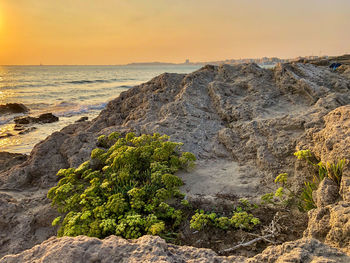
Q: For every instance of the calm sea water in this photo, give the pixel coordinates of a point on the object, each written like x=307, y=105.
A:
x=68, y=92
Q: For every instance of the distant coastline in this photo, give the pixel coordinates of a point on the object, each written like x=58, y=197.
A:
x=260, y=61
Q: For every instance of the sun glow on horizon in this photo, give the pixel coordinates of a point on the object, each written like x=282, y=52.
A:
x=119, y=31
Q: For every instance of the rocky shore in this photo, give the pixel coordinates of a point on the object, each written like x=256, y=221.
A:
x=242, y=122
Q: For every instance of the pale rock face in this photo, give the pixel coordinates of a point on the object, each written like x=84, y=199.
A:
x=330, y=222
x=331, y=143
x=8, y=160
x=327, y=193
x=84, y=249
x=114, y=249
x=242, y=122
x=331, y=225
x=302, y=250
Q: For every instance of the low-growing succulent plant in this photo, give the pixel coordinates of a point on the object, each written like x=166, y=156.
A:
x=123, y=189
x=240, y=219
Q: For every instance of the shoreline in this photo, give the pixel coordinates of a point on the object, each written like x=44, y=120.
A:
x=66, y=92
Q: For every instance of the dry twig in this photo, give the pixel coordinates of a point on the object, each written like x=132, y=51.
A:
x=271, y=231
x=247, y=244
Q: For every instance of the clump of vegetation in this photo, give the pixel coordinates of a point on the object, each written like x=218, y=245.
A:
x=333, y=171
x=283, y=195
x=304, y=201
x=124, y=190
x=240, y=219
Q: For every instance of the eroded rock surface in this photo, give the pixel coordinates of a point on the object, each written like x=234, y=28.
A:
x=154, y=249
x=8, y=160
x=28, y=216
x=330, y=222
x=327, y=193
x=302, y=250
x=243, y=122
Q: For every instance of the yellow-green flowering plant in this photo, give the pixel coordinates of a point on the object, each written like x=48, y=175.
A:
x=123, y=189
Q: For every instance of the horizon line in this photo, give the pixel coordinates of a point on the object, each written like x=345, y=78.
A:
x=171, y=63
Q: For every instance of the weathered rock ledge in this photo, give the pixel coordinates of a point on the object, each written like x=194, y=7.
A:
x=243, y=123
x=8, y=160
x=154, y=249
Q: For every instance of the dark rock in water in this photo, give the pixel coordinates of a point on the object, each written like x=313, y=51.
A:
x=47, y=118
x=27, y=130
x=5, y=135
x=13, y=108
x=82, y=119
x=24, y=120
x=19, y=127
x=8, y=160
x=43, y=118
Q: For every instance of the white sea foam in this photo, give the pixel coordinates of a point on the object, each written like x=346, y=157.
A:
x=78, y=109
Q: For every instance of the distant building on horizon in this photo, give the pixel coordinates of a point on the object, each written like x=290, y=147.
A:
x=187, y=61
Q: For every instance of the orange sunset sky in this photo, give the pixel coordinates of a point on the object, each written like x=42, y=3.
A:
x=124, y=31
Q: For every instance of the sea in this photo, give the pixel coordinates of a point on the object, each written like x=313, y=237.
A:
x=69, y=92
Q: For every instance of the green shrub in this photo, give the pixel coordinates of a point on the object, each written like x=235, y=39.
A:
x=244, y=220
x=240, y=219
x=123, y=189
x=335, y=170
x=245, y=205
x=200, y=220
x=283, y=196
x=305, y=201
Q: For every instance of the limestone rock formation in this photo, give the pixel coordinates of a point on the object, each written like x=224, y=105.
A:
x=327, y=193
x=242, y=122
x=8, y=160
x=114, y=249
x=331, y=223
x=302, y=250
x=154, y=249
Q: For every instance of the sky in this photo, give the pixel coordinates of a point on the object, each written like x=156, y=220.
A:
x=105, y=32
